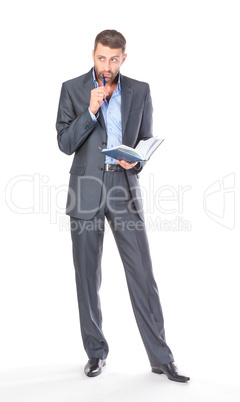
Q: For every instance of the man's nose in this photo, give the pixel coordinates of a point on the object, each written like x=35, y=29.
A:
x=107, y=65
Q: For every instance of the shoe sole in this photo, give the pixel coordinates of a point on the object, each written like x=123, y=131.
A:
x=157, y=371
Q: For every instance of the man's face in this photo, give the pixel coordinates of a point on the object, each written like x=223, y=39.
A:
x=107, y=61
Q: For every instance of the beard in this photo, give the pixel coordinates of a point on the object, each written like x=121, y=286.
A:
x=111, y=77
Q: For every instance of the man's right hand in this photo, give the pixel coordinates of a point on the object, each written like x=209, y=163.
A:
x=97, y=98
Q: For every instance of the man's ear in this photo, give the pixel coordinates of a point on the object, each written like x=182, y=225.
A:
x=124, y=58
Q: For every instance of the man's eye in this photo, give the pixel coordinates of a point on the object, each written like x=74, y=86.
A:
x=113, y=60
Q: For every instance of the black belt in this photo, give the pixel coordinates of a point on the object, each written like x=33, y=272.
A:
x=113, y=168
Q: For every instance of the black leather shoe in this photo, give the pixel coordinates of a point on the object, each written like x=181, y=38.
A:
x=94, y=367
x=171, y=372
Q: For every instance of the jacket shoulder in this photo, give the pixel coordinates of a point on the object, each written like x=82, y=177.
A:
x=135, y=83
x=78, y=80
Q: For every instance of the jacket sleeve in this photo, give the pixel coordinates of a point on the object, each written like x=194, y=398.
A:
x=72, y=130
x=146, y=127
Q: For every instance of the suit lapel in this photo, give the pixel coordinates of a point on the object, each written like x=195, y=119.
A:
x=126, y=99
x=88, y=85
x=101, y=119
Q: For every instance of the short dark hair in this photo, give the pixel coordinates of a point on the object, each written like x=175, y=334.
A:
x=112, y=39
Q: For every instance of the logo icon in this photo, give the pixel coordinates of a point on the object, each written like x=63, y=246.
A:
x=219, y=201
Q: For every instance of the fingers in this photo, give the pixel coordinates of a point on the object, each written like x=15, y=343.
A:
x=126, y=165
x=97, y=98
x=99, y=93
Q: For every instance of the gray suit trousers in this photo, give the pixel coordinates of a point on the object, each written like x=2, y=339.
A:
x=131, y=239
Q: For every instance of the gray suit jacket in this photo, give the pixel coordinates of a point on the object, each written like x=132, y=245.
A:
x=78, y=133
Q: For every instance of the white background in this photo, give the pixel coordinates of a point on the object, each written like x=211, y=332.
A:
x=188, y=51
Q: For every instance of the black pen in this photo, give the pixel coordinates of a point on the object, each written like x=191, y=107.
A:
x=103, y=80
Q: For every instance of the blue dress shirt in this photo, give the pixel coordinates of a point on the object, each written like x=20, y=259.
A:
x=112, y=117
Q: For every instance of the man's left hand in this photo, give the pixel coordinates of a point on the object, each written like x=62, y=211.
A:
x=126, y=165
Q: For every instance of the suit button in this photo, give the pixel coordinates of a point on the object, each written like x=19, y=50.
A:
x=104, y=143
x=100, y=168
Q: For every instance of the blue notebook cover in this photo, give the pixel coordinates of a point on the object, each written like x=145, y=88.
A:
x=127, y=155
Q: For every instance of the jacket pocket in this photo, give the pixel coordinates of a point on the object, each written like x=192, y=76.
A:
x=77, y=170
x=135, y=111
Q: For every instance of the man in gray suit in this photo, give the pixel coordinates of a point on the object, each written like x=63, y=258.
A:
x=92, y=115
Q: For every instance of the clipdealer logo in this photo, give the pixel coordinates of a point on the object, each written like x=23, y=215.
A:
x=33, y=194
